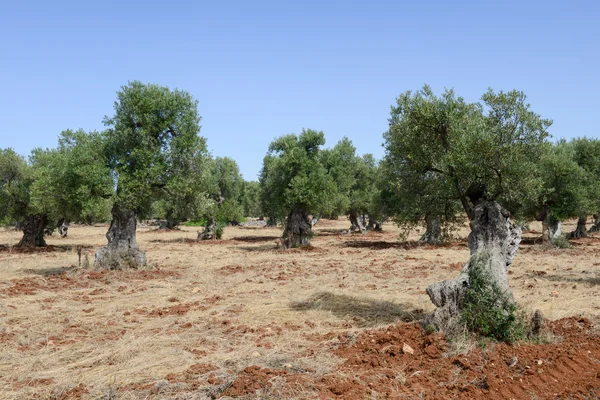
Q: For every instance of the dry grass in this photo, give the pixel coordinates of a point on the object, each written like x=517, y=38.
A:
x=233, y=303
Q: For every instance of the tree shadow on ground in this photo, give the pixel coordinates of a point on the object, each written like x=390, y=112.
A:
x=264, y=247
x=49, y=271
x=380, y=245
x=531, y=241
x=329, y=232
x=180, y=240
x=363, y=311
x=593, y=279
x=255, y=239
x=61, y=248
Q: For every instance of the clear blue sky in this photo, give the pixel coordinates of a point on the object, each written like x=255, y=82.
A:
x=261, y=69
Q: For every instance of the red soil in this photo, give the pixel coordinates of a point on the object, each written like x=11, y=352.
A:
x=376, y=364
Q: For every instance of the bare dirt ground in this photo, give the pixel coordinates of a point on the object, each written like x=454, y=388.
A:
x=239, y=318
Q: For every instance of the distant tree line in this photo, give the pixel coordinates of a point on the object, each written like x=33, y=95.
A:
x=443, y=157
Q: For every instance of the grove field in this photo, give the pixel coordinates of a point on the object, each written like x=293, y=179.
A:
x=239, y=318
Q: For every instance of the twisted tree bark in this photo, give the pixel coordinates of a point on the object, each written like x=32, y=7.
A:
x=433, y=230
x=33, y=231
x=209, y=230
x=580, y=230
x=63, y=227
x=493, y=243
x=297, y=229
x=122, y=250
x=357, y=223
x=374, y=225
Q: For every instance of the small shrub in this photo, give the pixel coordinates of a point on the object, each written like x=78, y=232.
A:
x=487, y=310
x=219, y=230
x=561, y=242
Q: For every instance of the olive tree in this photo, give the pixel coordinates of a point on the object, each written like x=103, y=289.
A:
x=340, y=163
x=225, y=188
x=411, y=196
x=587, y=156
x=481, y=154
x=564, y=190
x=251, y=199
x=228, y=186
x=363, y=195
x=354, y=178
x=17, y=177
x=153, y=131
x=83, y=187
x=294, y=184
x=185, y=195
x=68, y=183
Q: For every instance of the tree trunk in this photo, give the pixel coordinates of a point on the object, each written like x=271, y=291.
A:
x=596, y=226
x=122, y=250
x=168, y=224
x=210, y=229
x=63, y=227
x=297, y=229
x=580, y=230
x=433, y=231
x=493, y=242
x=33, y=231
x=271, y=221
x=551, y=230
x=374, y=225
x=357, y=223
x=545, y=234
x=554, y=229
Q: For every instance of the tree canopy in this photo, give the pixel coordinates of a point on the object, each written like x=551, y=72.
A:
x=294, y=180
x=152, y=146
x=441, y=149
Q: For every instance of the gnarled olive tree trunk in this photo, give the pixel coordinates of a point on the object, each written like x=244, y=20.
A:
x=551, y=230
x=493, y=242
x=168, y=224
x=122, y=250
x=374, y=225
x=433, y=230
x=33, y=231
x=210, y=229
x=357, y=223
x=63, y=227
x=596, y=226
x=297, y=229
x=580, y=231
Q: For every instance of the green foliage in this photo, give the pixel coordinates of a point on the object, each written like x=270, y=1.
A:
x=196, y=222
x=152, y=144
x=354, y=178
x=294, y=176
x=565, y=186
x=441, y=149
x=71, y=181
x=561, y=242
x=251, y=199
x=341, y=165
x=487, y=310
x=363, y=193
x=225, y=189
x=186, y=194
x=586, y=153
x=230, y=211
x=16, y=177
x=219, y=230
